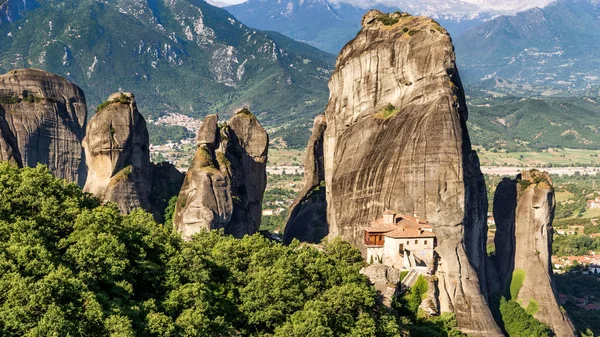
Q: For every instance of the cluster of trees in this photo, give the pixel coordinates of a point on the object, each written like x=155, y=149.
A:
x=69, y=266
x=577, y=285
x=577, y=245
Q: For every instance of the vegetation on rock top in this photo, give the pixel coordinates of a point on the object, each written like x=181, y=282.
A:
x=388, y=112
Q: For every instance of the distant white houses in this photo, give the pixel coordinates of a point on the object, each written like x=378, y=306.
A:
x=400, y=241
x=594, y=204
x=271, y=212
x=490, y=219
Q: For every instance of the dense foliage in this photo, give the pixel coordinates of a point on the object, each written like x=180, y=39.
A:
x=519, y=323
x=71, y=267
x=568, y=245
x=576, y=286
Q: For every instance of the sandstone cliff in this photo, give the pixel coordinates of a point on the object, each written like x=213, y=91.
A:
x=118, y=159
x=42, y=120
x=224, y=187
x=307, y=220
x=524, y=209
x=396, y=138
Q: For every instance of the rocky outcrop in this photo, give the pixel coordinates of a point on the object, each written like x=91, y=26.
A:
x=396, y=138
x=118, y=159
x=224, y=186
x=386, y=281
x=43, y=120
x=524, y=209
x=307, y=219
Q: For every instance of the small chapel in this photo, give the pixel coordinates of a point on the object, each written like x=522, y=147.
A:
x=400, y=241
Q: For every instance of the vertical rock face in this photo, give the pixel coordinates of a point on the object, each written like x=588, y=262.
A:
x=225, y=184
x=396, y=138
x=43, y=120
x=307, y=220
x=118, y=158
x=524, y=245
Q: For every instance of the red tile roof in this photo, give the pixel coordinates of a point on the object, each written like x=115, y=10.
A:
x=405, y=226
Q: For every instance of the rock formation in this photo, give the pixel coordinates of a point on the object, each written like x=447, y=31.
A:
x=396, y=138
x=307, y=219
x=42, y=120
x=524, y=209
x=224, y=186
x=386, y=281
x=118, y=158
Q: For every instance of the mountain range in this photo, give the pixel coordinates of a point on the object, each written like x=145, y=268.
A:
x=555, y=46
x=178, y=56
x=551, y=46
x=330, y=25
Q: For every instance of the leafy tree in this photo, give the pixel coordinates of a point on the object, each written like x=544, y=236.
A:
x=71, y=267
x=518, y=322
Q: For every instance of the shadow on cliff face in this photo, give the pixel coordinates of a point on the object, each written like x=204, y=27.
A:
x=505, y=207
x=502, y=262
x=247, y=207
x=308, y=220
x=11, y=144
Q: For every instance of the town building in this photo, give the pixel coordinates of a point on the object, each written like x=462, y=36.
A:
x=594, y=204
x=400, y=241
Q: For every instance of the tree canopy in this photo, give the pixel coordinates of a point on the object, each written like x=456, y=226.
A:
x=71, y=267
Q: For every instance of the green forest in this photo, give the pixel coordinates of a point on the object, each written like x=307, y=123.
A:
x=71, y=267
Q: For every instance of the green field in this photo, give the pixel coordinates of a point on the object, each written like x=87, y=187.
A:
x=285, y=157
x=546, y=158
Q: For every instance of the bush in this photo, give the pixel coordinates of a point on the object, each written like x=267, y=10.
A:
x=517, y=282
x=9, y=100
x=518, y=322
x=388, y=20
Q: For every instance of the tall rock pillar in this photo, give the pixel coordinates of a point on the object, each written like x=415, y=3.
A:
x=524, y=210
x=397, y=139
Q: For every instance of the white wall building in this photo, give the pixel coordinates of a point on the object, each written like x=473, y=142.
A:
x=400, y=241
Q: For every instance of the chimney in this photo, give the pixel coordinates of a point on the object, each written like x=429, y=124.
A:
x=389, y=217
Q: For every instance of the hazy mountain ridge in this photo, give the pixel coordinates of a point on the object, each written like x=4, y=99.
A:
x=329, y=25
x=180, y=55
x=554, y=47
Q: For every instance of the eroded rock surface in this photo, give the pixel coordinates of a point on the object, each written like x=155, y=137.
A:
x=43, y=120
x=118, y=160
x=524, y=210
x=224, y=187
x=386, y=281
x=396, y=138
x=307, y=220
